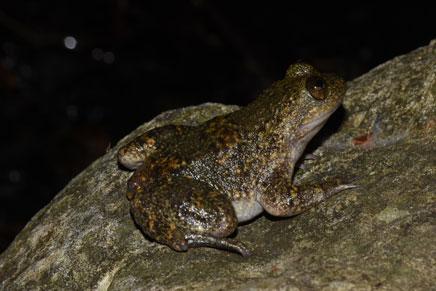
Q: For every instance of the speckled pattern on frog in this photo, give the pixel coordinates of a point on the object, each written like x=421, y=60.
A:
x=192, y=185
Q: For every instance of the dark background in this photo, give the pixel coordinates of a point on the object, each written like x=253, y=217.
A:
x=62, y=105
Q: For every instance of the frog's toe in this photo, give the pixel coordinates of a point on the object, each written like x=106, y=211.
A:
x=181, y=246
x=340, y=188
x=199, y=240
x=339, y=184
x=131, y=155
x=302, y=163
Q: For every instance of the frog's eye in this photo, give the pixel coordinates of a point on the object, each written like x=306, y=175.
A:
x=317, y=87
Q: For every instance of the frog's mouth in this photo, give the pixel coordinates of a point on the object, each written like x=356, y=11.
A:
x=309, y=129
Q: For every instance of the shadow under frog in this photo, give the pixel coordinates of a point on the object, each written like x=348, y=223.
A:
x=192, y=185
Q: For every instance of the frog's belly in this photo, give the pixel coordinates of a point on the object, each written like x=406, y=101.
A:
x=246, y=209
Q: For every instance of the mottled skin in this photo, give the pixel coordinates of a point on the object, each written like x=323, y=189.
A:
x=192, y=185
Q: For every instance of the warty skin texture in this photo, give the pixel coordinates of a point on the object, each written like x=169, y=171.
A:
x=193, y=185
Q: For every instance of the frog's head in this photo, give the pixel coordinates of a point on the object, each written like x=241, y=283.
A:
x=316, y=97
x=309, y=97
x=295, y=108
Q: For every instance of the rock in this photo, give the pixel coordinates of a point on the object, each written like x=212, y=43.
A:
x=380, y=235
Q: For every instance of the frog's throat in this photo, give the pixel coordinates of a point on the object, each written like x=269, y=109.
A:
x=309, y=129
x=305, y=133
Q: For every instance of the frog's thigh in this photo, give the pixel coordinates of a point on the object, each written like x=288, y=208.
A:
x=175, y=210
x=156, y=219
x=202, y=209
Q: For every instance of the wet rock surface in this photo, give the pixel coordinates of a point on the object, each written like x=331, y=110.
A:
x=380, y=235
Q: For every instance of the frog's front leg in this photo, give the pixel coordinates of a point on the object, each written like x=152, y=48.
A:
x=282, y=198
x=134, y=154
x=182, y=213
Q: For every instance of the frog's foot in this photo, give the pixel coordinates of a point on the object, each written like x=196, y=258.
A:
x=199, y=240
x=284, y=199
x=134, y=154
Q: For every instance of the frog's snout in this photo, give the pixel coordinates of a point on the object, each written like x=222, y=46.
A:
x=337, y=85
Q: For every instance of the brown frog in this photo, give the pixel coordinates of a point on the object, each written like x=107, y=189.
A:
x=192, y=185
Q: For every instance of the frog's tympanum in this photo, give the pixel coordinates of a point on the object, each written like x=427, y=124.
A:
x=192, y=185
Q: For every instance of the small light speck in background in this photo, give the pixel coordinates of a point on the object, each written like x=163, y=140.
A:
x=14, y=176
x=109, y=57
x=70, y=42
x=97, y=54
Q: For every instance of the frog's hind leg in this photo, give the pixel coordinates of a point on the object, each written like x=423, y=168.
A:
x=155, y=224
x=183, y=213
x=208, y=217
x=200, y=240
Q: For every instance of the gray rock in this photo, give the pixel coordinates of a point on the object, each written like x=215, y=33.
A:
x=381, y=235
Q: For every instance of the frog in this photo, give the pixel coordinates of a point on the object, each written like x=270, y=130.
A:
x=192, y=186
